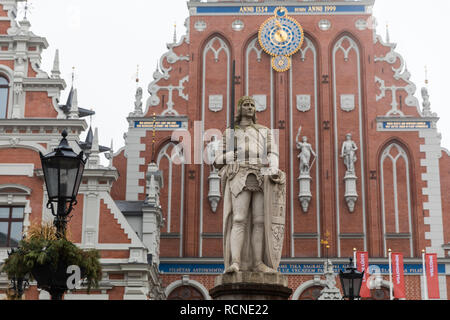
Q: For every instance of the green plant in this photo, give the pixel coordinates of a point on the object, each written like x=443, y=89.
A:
x=41, y=247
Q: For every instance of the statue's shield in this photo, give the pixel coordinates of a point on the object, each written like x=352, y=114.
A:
x=274, y=218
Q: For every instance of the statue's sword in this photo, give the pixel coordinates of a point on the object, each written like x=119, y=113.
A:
x=234, y=81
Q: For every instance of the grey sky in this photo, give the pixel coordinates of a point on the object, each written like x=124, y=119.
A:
x=106, y=40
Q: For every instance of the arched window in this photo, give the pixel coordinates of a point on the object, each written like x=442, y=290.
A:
x=4, y=94
x=396, y=199
x=185, y=293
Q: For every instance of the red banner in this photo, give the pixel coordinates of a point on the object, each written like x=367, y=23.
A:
x=398, y=277
x=432, y=275
x=362, y=264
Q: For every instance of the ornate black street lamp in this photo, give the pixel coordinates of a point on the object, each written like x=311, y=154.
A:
x=63, y=170
x=351, y=281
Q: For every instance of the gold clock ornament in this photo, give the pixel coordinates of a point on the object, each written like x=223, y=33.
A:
x=281, y=36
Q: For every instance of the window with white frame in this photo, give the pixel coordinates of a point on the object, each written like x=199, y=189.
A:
x=4, y=96
x=11, y=225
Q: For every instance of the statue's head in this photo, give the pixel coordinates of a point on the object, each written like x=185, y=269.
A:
x=246, y=104
x=349, y=136
x=305, y=139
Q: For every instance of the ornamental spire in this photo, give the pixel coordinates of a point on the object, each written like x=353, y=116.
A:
x=56, y=72
x=94, y=157
x=74, y=112
x=388, y=38
x=175, y=32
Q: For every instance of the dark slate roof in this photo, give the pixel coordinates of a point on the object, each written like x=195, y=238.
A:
x=81, y=111
x=87, y=144
x=131, y=208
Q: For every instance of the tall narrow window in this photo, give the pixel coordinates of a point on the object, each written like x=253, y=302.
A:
x=11, y=224
x=4, y=92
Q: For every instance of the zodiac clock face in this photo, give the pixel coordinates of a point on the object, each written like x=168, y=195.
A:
x=281, y=36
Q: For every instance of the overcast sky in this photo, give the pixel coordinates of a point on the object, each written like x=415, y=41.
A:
x=105, y=41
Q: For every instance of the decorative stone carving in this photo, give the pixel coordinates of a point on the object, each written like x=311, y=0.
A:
x=19, y=101
x=254, y=194
x=348, y=153
x=303, y=102
x=215, y=102
x=400, y=73
x=324, y=25
x=138, y=104
x=347, y=102
x=152, y=219
x=426, y=111
x=361, y=24
x=200, y=25
x=305, y=179
x=214, y=194
x=237, y=25
x=14, y=141
x=330, y=292
x=261, y=102
x=162, y=72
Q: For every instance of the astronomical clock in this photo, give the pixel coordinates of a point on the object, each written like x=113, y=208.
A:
x=281, y=36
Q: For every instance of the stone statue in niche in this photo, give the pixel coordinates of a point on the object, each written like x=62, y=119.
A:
x=254, y=195
x=305, y=155
x=349, y=149
x=214, y=194
x=211, y=150
x=305, y=179
x=348, y=153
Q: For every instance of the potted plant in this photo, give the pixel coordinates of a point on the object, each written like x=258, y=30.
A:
x=46, y=257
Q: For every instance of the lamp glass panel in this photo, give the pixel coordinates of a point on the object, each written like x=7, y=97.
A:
x=357, y=286
x=345, y=282
x=68, y=177
x=79, y=177
x=51, y=177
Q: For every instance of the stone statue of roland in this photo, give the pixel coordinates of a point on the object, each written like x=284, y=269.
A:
x=254, y=192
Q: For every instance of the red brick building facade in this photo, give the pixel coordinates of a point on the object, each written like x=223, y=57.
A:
x=344, y=79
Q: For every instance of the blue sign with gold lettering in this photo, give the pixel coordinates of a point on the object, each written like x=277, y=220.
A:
x=406, y=125
x=288, y=268
x=321, y=9
x=159, y=125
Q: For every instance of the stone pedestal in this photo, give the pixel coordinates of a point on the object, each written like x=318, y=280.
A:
x=305, y=195
x=351, y=194
x=251, y=286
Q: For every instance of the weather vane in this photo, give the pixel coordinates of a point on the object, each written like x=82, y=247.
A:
x=73, y=76
x=26, y=8
x=137, y=75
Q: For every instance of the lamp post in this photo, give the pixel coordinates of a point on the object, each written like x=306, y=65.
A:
x=351, y=281
x=63, y=170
